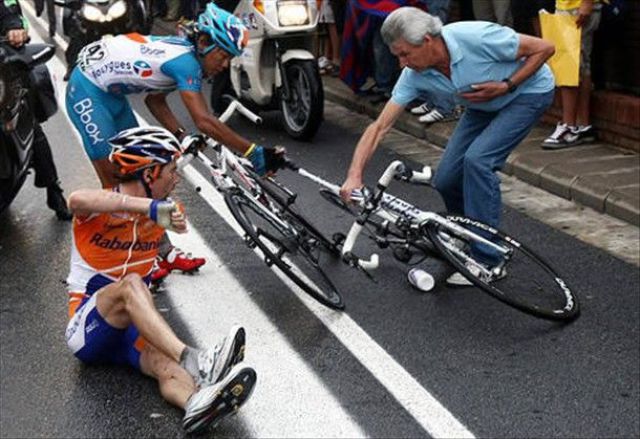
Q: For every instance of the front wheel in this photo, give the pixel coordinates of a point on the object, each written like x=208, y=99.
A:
x=523, y=280
x=302, y=111
x=298, y=255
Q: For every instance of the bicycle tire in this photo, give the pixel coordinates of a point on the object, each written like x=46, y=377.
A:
x=531, y=285
x=295, y=259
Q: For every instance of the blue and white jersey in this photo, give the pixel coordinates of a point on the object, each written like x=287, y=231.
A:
x=135, y=63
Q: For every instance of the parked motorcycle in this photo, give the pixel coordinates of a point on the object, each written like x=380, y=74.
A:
x=277, y=69
x=26, y=97
x=86, y=21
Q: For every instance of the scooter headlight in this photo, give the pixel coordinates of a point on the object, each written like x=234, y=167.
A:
x=293, y=12
x=92, y=13
x=117, y=10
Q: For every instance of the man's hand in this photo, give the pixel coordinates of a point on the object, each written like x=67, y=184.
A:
x=486, y=91
x=168, y=214
x=17, y=37
x=351, y=184
x=584, y=12
x=266, y=160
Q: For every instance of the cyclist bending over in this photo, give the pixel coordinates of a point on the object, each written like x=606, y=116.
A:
x=113, y=67
x=113, y=320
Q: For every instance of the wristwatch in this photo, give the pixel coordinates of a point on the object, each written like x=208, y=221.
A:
x=510, y=84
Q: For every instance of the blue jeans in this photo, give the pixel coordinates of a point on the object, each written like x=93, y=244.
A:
x=387, y=67
x=439, y=8
x=467, y=175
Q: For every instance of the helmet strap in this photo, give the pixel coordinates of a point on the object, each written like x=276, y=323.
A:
x=154, y=175
x=146, y=187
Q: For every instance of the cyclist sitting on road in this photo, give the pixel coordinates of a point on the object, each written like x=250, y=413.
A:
x=501, y=79
x=113, y=320
x=113, y=67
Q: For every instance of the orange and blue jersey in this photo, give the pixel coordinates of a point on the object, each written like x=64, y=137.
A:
x=106, y=247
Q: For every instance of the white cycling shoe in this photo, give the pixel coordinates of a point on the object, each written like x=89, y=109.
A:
x=214, y=363
x=211, y=404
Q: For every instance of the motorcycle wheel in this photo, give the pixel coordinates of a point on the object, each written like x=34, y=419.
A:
x=302, y=113
x=9, y=186
x=221, y=89
x=9, y=191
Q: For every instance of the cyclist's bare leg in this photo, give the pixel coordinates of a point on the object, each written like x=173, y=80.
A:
x=129, y=301
x=175, y=383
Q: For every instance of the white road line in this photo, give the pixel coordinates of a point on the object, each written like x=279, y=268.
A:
x=422, y=406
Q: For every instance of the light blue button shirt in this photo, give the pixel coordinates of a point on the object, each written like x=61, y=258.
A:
x=480, y=52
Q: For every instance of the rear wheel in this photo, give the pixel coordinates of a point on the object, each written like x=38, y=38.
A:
x=298, y=254
x=524, y=280
x=302, y=112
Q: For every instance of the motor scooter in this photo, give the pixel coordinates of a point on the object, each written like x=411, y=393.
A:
x=27, y=98
x=86, y=21
x=277, y=69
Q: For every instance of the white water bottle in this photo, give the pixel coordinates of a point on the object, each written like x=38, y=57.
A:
x=421, y=279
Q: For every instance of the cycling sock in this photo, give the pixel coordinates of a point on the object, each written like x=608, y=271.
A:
x=165, y=246
x=189, y=360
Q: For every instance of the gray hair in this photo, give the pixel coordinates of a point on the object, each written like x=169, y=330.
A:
x=411, y=24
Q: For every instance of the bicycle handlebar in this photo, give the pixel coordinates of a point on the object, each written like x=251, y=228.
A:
x=350, y=258
x=396, y=169
x=190, y=153
x=236, y=105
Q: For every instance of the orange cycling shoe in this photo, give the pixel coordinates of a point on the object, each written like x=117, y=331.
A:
x=178, y=260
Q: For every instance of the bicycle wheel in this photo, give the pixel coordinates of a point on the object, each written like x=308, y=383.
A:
x=297, y=255
x=528, y=283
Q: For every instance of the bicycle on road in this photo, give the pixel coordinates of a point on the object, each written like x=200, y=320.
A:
x=265, y=210
x=521, y=279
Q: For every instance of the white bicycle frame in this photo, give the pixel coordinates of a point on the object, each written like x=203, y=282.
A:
x=227, y=162
x=391, y=209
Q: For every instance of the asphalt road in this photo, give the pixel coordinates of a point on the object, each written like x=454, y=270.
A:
x=396, y=363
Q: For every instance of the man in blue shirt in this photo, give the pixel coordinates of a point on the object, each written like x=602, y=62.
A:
x=497, y=74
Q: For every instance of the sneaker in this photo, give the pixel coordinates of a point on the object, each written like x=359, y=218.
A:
x=211, y=404
x=420, y=279
x=323, y=62
x=178, y=260
x=214, y=363
x=431, y=117
x=367, y=86
x=586, y=134
x=457, y=279
x=562, y=137
x=421, y=109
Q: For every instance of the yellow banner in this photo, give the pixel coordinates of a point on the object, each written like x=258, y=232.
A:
x=561, y=30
